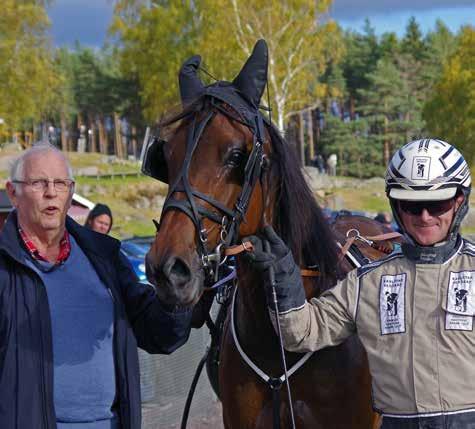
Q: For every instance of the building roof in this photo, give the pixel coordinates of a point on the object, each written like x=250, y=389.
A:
x=81, y=201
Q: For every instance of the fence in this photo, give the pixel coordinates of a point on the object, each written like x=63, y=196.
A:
x=166, y=380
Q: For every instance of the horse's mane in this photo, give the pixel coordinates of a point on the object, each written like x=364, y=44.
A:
x=297, y=216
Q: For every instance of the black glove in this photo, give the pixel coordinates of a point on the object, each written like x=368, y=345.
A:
x=288, y=281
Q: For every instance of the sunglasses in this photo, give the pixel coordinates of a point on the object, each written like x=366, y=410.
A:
x=434, y=208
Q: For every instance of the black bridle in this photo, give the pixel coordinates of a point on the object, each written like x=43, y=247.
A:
x=228, y=219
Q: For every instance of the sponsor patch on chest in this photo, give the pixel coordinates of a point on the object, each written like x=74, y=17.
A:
x=460, y=301
x=392, y=304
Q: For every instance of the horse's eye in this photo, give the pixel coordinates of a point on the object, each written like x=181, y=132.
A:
x=235, y=158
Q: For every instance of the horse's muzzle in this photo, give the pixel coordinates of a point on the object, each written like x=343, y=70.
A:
x=176, y=282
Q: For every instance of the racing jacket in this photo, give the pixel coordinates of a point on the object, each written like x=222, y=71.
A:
x=415, y=321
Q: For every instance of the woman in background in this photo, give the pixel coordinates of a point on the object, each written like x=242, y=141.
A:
x=99, y=219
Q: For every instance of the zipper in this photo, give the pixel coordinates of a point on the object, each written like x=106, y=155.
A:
x=42, y=359
x=123, y=407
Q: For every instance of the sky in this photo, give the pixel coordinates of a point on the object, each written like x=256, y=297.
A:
x=87, y=20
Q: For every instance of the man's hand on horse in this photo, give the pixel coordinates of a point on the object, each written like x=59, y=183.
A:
x=288, y=281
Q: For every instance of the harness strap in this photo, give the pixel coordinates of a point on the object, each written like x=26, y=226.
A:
x=375, y=241
x=193, y=137
x=247, y=246
x=305, y=272
x=349, y=255
x=346, y=247
x=185, y=207
x=266, y=378
x=383, y=237
x=275, y=384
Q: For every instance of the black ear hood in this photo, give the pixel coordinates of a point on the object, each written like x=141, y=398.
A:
x=190, y=84
x=243, y=93
x=252, y=79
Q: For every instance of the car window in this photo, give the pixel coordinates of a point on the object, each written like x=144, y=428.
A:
x=137, y=248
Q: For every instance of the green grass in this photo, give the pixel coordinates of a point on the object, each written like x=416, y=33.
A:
x=103, y=163
x=364, y=199
x=468, y=230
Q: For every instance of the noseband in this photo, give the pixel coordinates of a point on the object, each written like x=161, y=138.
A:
x=228, y=219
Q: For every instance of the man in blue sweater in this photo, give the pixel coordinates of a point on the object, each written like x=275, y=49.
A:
x=72, y=311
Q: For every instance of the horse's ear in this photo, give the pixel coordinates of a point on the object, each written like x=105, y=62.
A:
x=191, y=86
x=252, y=78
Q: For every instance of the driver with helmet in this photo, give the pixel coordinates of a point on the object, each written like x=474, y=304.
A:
x=414, y=310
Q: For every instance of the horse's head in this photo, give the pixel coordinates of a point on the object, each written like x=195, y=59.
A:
x=215, y=161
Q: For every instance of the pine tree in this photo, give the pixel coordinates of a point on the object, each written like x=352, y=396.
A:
x=383, y=106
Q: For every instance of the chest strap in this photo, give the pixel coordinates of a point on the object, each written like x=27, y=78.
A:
x=271, y=381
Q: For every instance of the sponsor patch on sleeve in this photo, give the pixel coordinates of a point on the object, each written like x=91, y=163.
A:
x=460, y=301
x=392, y=304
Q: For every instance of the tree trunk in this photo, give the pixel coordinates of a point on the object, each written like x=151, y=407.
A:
x=280, y=117
x=78, y=130
x=352, y=108
x=317, y=129
x=64, y=133
x=310, y=136
x=119, y=149
x=386, y=144
x=92, y=135
x=301, y=138
x=102, y=135
x=134, y=142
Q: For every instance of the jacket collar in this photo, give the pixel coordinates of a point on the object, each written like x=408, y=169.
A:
x=88, y=240
x=432, y=254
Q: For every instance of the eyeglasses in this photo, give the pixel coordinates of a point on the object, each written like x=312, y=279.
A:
x=60, y=185
x=434, y=208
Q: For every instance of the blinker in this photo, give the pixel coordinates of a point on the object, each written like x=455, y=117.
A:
x=154, y=164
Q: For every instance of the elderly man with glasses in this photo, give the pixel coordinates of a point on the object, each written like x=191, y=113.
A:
x=414, y=310
x=71, y=311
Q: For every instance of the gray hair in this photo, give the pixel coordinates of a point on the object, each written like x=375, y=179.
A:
x=16, y=168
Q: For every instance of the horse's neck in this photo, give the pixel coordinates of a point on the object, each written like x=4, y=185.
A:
x=251, y=315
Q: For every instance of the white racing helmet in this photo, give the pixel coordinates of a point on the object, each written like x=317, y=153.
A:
x=428, y=170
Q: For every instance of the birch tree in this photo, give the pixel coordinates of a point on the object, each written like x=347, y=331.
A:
x=302, y=42
x=26, y=62
x=157, y=36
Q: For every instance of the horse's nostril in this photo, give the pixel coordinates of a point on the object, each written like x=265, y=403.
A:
x=177, y=271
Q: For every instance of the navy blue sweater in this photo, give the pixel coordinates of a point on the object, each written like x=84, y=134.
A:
x=26, y=355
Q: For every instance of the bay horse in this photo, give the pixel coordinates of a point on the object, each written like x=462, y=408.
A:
x=229, y=173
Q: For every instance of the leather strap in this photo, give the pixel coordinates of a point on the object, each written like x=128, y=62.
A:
x=383, y=237
x=247, y=246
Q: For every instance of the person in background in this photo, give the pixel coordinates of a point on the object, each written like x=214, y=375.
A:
x=100, y=219
x=413, y=311
x=332, y=161
x=72, y=311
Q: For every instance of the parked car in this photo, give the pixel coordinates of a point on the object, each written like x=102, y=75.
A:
x=135, y=249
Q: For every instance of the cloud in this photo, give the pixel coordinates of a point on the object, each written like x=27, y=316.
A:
x=352, y=10
x=83, y=20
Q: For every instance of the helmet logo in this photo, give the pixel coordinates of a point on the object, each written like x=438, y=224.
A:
x=420, y=168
